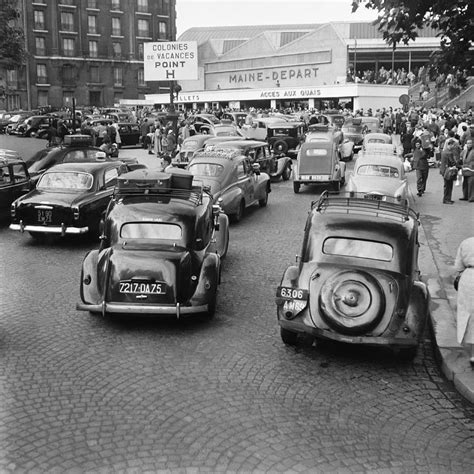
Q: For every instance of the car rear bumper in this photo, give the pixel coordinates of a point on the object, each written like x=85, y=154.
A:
x=121, y=308
x=297, y=326
x=49, y=229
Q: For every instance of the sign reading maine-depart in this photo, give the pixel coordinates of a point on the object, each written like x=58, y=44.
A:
x=170, y=61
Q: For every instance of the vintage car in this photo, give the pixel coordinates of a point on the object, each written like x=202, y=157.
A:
x=318, y=163
x=34, y=126
x=161, y=248
x=129, y=133
x=14, y=180
x=238, y=118
x=276, y=166
x=15, y=120
x=376, y=137
x=353, y=130
x=258, y=128
x=371, y=124
x=235, y=182
x=379, y=177
x=188, y=148
x=75, y=149
x=357, y=279
x=4, y=120
x=285, y=137
x=206, y=120
x=329, y=133
x=69, y=199
x=332, y=119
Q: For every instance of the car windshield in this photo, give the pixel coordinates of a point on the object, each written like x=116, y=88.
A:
x=378, y=170
x=206, y=169
x=358, y=248
x=66, y=180
x=151, y=230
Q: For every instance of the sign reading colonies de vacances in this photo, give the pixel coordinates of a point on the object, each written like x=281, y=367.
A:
x=170, y=61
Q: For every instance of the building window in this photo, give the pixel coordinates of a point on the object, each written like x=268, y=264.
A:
x=117, y=97
x=92, y=24
x=93, y=49
x=39, y=20
x=116, y=27
x=68, y=99
x=115, y=5
x=40, y=46
x=12, y=78
x=92, y=4
x=143, y=28
x=162, y=30
x=118, y=73
x=69, y=46
x=68, y=74
x=94, y=75
x=140, y=50
x=141, y=77
x=43, y=99
x=41, y=74
x=142, y=6
x=166, y=6
x=67, y=21
x=117, y=47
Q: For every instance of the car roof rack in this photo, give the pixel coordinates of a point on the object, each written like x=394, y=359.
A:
x=77, y=140
x=177, y=184
x=216, y=152
x=357, y=203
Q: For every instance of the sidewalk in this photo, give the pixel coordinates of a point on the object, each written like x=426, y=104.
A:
x=436, y=257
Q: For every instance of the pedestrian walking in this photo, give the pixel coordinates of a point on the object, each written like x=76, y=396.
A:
x=421, y=166
x=448, y=170
x=464, y=265
x=468, y=172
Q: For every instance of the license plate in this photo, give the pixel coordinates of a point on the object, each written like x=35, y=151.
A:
x=314, y=177
x=374, y=197
x=292, y=293
x=45, y=216
x=295, y=306
x=139, y=288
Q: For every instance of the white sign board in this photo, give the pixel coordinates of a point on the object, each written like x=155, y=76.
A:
x=170, y=61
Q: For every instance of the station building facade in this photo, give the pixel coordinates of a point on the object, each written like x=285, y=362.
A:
x=304, y=65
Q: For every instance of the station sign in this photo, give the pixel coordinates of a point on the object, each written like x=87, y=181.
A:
x=170, y=61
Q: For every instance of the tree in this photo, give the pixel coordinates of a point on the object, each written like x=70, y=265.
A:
x=399, y=20
x=12, y=39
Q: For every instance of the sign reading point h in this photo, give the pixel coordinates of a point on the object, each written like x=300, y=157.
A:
x=170, y=61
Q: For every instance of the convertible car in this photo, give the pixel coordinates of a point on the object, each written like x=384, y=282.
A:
x=161, y=248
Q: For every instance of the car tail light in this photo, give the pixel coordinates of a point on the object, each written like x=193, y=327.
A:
x=75, y=211
x=13, y=209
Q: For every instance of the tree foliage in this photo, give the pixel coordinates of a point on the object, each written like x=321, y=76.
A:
x=12, y=39
x=399, y=21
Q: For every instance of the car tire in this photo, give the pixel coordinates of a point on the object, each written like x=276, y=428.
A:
x=237, y=217
x=280, y=146
x=296, y=187
x=286, y=173
x=407, y=354
x=351, y=302
x=290, y=338
x=336, y=186
x=264, y=201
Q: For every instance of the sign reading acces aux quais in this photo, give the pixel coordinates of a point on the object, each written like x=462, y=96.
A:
x=170, y=61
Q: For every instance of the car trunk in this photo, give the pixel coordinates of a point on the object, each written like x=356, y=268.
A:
x=150, y=275
x=315, y=165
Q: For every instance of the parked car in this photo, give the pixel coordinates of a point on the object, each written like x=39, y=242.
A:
x=69, y=199
x=129, y=133
x=319, y=163
x=286, y=137
x=357, y=279
x=238, y=118
x=371, y=124
x=376, y=137
x=235, y=182
x=354, y=131
x=199, y=120
x=188, y=148
x=15, y=121
x=379, y=177
x=329, y=133
x=14, y=180
x=258, y=129
x=4, y=119
x=332, y=119
x=34, y=126
x=276, y=166
x=161, y=248
x=75, y=149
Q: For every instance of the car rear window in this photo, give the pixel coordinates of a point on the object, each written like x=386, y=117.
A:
x=206, y=169
x=358, y=248
x=378, y=170
x=316, y=152
x=151, y=230
x=66, y=180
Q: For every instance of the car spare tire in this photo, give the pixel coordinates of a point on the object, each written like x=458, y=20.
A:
x=280, y=146
x=351, y=302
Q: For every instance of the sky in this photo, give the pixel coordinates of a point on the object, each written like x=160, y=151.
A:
x=202, y=13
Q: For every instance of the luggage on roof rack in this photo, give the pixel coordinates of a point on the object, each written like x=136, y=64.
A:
x=77, y=140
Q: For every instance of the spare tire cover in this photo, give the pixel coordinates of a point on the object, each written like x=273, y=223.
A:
x=280, y=146
x=351, y=302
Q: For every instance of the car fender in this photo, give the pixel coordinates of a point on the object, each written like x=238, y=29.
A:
x=418, y=308
x=231, y=198
x=208, y=280
x=89, y=289
x=282, y=163
x=262, y=185
x=220, y=241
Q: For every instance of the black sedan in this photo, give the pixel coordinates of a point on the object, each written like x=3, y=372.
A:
x=69, y=199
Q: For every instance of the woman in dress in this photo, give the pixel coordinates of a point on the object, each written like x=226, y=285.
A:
x=465, y=304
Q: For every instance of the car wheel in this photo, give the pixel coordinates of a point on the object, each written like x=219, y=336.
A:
x=280, y=146
x=289, y=337
x=296, y=187
x=351, y=302
x=264, y=201
x=237, y=217
x=286, y=173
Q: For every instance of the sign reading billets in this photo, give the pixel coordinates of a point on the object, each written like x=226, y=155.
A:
x=170, y=61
